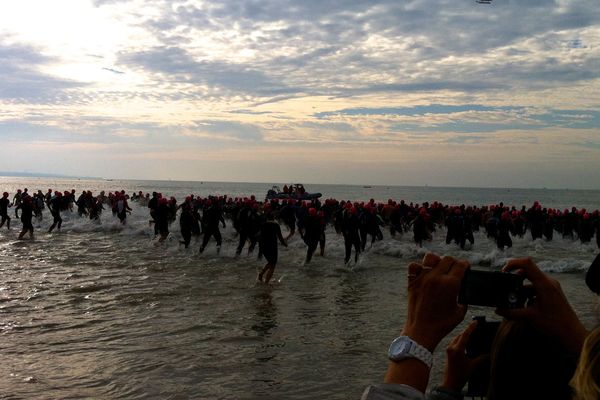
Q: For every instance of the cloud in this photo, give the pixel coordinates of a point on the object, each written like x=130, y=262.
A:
x=23, y=81
x=178, y=65
x=224, y=130
x=473, y=118
x=113, y=70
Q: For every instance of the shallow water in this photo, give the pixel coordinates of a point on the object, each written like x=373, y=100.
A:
x=103, y=311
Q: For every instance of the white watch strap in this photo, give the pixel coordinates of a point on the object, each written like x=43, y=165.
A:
x=421, y=353
x=409, y=349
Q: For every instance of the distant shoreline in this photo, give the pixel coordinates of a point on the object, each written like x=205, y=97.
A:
x=269, y=184
x=7, y=174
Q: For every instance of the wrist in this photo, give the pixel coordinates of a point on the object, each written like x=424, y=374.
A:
x=422, y=337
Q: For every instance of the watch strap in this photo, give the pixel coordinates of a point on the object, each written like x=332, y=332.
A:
x=414, y=350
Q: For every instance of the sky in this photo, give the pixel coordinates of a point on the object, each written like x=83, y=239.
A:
x=438, y=93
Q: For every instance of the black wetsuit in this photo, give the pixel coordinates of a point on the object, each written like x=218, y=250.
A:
x=369, y=226
x=491, y=227
x=153, y=205
x=211, y=218
x=586, y=231
x=249, y=223
x=4, y=204
x=26, y=208
x=162, y=218
x=396, y=221
x=420, y=231
x=288, y=215
x=314, y=232
x=549, y=228
x=81, y=205
x=535, y=218
x=456, y=232
x=55, y=205
x=504, y=228
x=270, y=232
x=186, y=223
x=350, y=230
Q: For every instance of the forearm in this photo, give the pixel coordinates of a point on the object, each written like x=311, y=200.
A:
x=412, y=371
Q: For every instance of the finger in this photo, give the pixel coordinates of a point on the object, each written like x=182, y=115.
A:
x=463, y=338
x=431, y=260
x=458, y=269
x=530, y=270
x=414, y=270
x=444, y=265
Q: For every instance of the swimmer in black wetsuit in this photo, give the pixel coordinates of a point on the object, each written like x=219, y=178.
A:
x=420, y=230
x=270, y=232
x=26, y=208
x=287, y=214
x=314, y=233
x=211, y=218
x=249, y=227
x=186, y=221
x=349, y=227
x=162, y=217
x=504, y=229
x=4, y=205
x=153, y=205
x=55, y=205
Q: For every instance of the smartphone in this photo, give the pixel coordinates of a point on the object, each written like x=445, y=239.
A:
x=492, y=289
x=480, y=343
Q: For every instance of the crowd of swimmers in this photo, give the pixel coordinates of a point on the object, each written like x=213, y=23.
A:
x=258, y=222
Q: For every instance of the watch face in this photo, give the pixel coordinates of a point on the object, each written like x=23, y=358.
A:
x=399, y=348
x=404, y=347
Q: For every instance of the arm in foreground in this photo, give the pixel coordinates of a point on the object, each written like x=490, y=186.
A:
x=433, y=312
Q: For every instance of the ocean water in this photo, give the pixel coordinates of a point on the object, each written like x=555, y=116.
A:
x=101, y=310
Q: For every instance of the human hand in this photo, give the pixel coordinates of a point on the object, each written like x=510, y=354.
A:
x=458, y=366
x=549, y=311
x=433, y=289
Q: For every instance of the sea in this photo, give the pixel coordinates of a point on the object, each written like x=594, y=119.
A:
x=102, y=310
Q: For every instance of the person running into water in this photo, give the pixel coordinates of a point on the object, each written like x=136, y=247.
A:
x=4, y=205
x=249, y=227
x=314, y=233
x=186, y=221
x=270, y=232
x=26, y=208
x=55, y=204
x=162, y=216
x=350, y=230
x=213, y=214
x=121, y=207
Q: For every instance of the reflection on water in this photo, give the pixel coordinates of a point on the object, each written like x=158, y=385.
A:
x=266, y=313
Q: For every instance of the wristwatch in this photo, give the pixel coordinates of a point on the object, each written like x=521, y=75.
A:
x=404, y=347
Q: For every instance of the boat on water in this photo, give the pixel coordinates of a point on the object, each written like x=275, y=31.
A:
x=296, y=192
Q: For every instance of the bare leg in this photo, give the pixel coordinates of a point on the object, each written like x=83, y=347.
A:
x=270, y=272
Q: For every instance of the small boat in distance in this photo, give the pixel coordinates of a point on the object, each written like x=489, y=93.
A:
x=296, y=192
